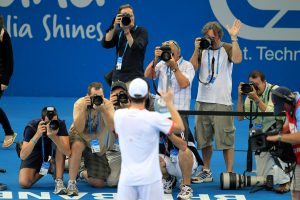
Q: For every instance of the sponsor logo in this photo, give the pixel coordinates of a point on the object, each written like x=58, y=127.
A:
x=224, y=15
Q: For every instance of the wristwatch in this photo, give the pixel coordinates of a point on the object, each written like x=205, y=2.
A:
x=174, y=69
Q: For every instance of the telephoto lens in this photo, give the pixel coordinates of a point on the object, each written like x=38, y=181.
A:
x=233, y=181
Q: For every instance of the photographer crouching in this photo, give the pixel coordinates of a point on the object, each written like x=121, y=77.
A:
x=258, y=90
x=285, y=100
x=37, y=153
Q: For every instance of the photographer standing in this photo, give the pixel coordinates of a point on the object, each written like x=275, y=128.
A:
x=215, y=59
x=259, y=92
x=90, y=137
x=6, y=71
x=176, y=73
x=286, y=100
x=130, y=41
x=37, y=151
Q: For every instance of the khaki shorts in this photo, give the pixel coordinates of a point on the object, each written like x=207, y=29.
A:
x=208, y=128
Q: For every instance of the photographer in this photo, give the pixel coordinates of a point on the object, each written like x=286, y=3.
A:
x=90, y=137
x=130, y=41
x=6, y=71
x=259, y=91
x=176, y=163
x=174, y=72
x=214, y=94
x=38, y=154
x=286, y=100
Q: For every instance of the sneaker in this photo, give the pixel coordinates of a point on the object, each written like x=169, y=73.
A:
x=79, y=174
x=283, y=188
x=169, y=184
x=72, y=189
x=202, y=176
x=60, y=187
x=185, y=193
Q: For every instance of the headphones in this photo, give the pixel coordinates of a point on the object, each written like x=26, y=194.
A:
x=288, y=99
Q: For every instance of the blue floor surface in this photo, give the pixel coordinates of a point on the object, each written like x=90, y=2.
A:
x=20, y=110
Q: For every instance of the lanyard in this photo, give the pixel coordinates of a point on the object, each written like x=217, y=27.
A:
x=119, y=43
x=169, y=72
x=90, y=124
x=126, y=41
x=43, y=149
x=218, y=61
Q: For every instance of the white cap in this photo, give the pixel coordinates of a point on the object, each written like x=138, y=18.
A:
x=138, y=88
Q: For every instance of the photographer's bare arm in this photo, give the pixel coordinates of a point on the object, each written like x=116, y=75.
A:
x=61, y=142
x=108, y=110
x=27, y=147
x=80, y=114
x=233, y=31
x=178, y=126
x=150, y=70
x=195, y=57
x=240, y=103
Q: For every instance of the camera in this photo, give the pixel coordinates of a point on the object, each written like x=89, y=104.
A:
x=247, y=87
x=233, y=181
x=166, y=54
x=258, y=143
x=95, y=100
x=50, y=113
x=206, y=43
x=122, y=97
x=126, y=19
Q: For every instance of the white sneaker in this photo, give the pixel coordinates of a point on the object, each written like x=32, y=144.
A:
x=60, y=187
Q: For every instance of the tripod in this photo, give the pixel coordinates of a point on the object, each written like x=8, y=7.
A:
x=2, y=185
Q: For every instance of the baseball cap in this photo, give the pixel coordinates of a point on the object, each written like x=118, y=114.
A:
x=118, y=84
x=279, y=97
x=138, y=88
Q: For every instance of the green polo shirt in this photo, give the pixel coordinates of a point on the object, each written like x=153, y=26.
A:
x=266, y=97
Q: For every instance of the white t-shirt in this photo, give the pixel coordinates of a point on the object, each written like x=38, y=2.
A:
x=220, y=91
x=138, y=132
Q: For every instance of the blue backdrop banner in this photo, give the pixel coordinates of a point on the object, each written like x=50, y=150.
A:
x=58, y=52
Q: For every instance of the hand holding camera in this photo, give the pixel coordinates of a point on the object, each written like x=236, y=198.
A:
x=204, y=43
x=93, y=101
x=42, y=128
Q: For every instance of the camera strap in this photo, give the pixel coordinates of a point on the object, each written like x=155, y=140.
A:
x=212, y=75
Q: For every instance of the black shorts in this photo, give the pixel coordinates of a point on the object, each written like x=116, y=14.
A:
x=34, y=161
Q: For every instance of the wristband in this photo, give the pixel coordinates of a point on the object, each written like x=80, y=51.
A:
x=279, y=137
x=33, y=141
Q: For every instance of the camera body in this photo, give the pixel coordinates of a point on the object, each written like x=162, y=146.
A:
x=166, y=54
x=258, y=143
x=247, y=87
x=53, y=124
x=95, y=100
x=122, y=97
x=126, y=19
x=233, y=181
x=206, y=43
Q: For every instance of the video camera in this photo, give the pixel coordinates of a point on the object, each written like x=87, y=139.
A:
x=95, y=100
x=206, y=42
x=126, y=19
x=166, y=54
x=233, y=181
x=259, y=143
x=247, y=87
